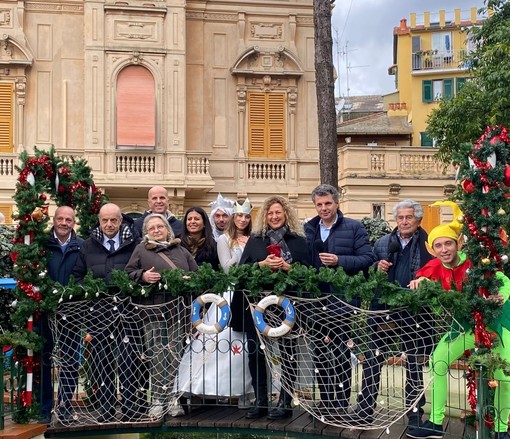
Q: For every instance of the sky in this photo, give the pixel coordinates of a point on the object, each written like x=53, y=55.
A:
x=363, y=39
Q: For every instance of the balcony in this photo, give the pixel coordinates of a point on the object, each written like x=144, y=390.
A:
x=391, y=161
x=426, y=60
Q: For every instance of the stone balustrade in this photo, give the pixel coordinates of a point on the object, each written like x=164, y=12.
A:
x=390, y=161
x=267, y=170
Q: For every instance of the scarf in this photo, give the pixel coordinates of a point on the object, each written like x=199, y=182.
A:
x=151, y=244
x=276, y=237
x=195, y=245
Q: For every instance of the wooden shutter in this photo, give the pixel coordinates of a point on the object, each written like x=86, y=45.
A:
x=136, y=108
x=426, y=140
x=459, y=82
x=447, y=88
x=266, y=125
x=7, y=211
x=431, y=216
x=427, y=91
x=257, y=124
x=276, y=122
x=6, y=117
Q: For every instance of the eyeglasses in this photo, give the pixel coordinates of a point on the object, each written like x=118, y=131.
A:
x=154, y=228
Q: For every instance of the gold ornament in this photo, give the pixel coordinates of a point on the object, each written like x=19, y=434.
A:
x=501, y=212
x=486, y=261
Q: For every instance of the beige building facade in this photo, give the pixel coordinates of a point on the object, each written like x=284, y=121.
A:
x=202, y=96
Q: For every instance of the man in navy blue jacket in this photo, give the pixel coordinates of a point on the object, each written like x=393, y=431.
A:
x=63, y=247
x=334, y=241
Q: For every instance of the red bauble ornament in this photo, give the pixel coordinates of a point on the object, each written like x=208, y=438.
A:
x=468, y=186
x=42, y=197
x=506, y=177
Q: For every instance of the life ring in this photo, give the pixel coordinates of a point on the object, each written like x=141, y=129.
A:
x=222, y=322
x=287, y=324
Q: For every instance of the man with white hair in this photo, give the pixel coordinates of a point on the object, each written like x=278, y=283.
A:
x=221, y=211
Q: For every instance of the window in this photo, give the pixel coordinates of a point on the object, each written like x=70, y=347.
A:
x=378, y=211
x=6, y=116
x=136, y=109
x=435, y=90
x=426, y=140
x=442, y=43
x=266, y=125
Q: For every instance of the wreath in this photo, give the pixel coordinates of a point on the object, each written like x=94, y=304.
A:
x=67, y=183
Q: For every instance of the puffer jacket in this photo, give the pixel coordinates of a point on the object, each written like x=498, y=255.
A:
x=347, y=239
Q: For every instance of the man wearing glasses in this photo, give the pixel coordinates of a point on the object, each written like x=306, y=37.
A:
x=400, y=253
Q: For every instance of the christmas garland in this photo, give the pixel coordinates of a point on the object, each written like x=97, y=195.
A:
x=67, y=183
x=484, y=168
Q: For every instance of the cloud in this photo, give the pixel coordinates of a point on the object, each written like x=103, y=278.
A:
x=364, y=30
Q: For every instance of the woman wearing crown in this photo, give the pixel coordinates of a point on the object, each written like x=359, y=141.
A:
x=218, y=364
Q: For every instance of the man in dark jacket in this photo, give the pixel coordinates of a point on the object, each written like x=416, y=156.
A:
x=157, y=199
x=400, y=253
x=63, y=246
x=334, y=241
x=109, y=247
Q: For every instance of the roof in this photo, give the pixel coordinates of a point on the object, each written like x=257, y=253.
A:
x=379, y=123
x=363, y=104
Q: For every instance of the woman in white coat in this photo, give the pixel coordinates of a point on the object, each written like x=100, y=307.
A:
x=218, y=363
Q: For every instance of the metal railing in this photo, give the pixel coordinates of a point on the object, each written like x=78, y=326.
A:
x=438, y=60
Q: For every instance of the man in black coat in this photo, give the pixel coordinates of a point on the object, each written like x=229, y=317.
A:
x=157, y=199
x=334, y=241
x=109, y=247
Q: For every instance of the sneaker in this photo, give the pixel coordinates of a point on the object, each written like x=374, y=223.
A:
x=244, y=402
x=427, y=431
x=501, y=435
x=176, y=409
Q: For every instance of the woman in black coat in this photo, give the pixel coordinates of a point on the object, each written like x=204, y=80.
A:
x=276, y=224
x=197, y=237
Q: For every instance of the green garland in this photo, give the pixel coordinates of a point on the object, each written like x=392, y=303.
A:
x=252, y=279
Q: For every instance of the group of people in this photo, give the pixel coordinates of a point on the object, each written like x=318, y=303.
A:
x=159, y=241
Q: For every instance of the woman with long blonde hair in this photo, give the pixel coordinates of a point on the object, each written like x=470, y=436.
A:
x=277, y=242
x=231, y=244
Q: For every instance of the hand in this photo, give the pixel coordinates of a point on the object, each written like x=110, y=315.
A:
x=151, y=276
x=413, y=285
x=498, y=298
x=273, y=262
x=328, y=259
x=242, y=240
x=384, y=265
